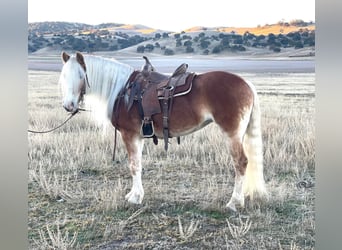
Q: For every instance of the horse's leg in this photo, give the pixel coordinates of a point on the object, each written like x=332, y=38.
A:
x=240, y=165
x=134, y=145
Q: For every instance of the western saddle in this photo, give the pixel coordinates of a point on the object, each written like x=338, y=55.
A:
x=154, y=93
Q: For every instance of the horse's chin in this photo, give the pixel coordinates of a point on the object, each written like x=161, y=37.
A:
x=75, y=111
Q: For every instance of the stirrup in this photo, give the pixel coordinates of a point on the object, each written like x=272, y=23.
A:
x=147, y=129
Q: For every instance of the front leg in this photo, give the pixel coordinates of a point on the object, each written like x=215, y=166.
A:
x=134, y=145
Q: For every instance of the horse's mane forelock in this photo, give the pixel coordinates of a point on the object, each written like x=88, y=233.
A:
x=106, y=78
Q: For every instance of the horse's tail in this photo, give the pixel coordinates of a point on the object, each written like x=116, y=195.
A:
x=254, y=184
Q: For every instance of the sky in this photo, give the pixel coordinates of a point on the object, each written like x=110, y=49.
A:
x=172, y=15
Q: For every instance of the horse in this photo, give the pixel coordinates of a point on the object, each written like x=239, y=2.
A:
x=216, y=96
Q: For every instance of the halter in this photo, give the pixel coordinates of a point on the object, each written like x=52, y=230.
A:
x=84, y=88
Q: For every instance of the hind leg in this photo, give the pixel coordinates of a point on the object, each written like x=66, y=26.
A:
x=240, y=165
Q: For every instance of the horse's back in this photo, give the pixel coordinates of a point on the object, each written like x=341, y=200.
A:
x=224, y=88
x=220, y=79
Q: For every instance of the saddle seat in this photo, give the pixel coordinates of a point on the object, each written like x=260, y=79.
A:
x=177, y=82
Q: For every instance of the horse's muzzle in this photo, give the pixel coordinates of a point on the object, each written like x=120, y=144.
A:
x=70, y=108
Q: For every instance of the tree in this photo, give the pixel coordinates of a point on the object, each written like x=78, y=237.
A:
x=189, y=49
x=141, y=49
x=221, y=35
x=202, y=34
x=295, y=36
x=298, y=23
x=298, y=45
x=276, y=49
x=206, y=52
x=204, y=44
x=271, y=38
x=238, y=40
x=238, y=47
x=248, y=36
x=149, y=47
x=178, y=42
x=284, y=41
x=157, y=36
x=225, y=41
x=113, y=47
x=78, y=44
x=187, y=43
x=309, y=41
x=168, y=52
x=259, y=38
x=217, y=49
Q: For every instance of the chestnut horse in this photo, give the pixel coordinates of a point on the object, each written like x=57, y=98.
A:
x=216, y=96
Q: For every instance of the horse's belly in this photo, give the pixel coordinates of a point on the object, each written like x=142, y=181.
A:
x=182, y=126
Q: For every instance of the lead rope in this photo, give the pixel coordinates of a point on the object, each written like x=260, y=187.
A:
x=50, y=130
x=114, y=149
x=53, y=129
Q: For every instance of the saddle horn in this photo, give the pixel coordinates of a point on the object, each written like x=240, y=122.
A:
x=148, y=67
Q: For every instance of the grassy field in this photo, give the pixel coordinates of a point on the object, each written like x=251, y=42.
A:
x=76, y=193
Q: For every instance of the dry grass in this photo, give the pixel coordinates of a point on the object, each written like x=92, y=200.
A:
x=267, y=29
x=76, y=193
x=259, y=30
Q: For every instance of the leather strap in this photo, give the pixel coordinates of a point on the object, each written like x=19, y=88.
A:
x=167, y=94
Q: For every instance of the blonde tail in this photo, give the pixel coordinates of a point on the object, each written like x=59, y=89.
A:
x=254, y=184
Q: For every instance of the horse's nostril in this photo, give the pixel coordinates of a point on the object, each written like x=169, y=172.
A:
x=69, y=107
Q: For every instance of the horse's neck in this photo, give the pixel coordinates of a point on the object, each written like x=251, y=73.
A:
x=106, y=78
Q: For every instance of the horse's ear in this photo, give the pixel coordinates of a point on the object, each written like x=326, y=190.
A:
x=65, y=57
x=80, y=60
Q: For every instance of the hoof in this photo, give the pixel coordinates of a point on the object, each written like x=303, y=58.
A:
x=231, y=205
x=134, y=197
